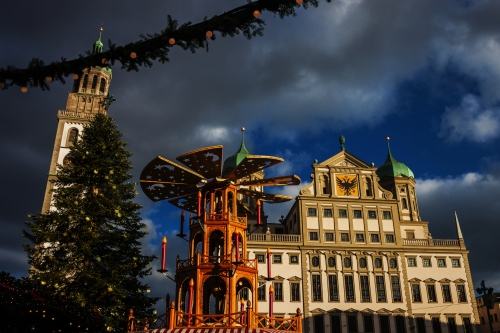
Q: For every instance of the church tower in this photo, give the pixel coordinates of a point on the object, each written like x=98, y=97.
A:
x=90, y=87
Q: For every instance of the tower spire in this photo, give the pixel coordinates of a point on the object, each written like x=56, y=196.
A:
x=459, y=231
x=98, y=44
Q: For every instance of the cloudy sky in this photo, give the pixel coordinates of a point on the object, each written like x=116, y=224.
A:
x=424, y=73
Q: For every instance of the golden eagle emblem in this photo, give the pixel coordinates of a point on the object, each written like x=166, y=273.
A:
x=347, y=185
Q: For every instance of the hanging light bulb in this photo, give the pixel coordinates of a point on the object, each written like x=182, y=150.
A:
x=256, y=13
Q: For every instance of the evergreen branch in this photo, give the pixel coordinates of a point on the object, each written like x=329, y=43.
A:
x=154, y=47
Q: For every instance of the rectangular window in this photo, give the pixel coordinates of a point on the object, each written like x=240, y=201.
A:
x=368, y=324
x=389, y=238
x=452, y=325
x=336, y=324
x=278, y=291
x=261, y=292
x=396, y=289
x=372, y=214
x=342, y=212
x=455, y=262
x=461, y=294
x=441, y=262
x=261, y=258
x=329, y=237
x=380, y=288
x=319, y=325
x=349, y=288
x=426, y=262
x=294, y=259
x=311, y=212
x=357, y=214
x=344, y=237
x=431, y=293
x=384, y=324
x=446, y=293
x=496, y=317
x=295, y=291
x=333, y=288
x=400, y=324
x=365, y=288
x=316, y=288
x=467, y=325
x=415, y=289
x=327, y=212
x=386, y=215
x=412, y=262
x=375, y=238
x=436, y=325
x=420, y=325
x=352, y=324
x=410, y=234
x=360, y=238
x=276, y=258
x=313, y=235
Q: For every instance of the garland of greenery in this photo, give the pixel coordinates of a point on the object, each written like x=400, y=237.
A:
x=244, y=19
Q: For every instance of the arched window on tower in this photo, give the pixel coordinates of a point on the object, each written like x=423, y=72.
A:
x=325, y=184
x=76, y=84
x=94, y=82
x=85, y=82
x=404, y=204
x=72, y=137
x=102, y=87
x=368, y=185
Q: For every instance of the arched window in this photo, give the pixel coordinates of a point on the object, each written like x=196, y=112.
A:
x=218, y=202
x=368, y=184
x=325, y=184
x=230, y=202
x=404, y=204
x=85, y=82
x=76, y=84
x=94, y=82
x=378, y=262
x=103, y=85
x=393, y=263
x=331, y=262
x=362, y=263
x=66, y=161
x=347, y=262
x=315, y=261
x=72, y=137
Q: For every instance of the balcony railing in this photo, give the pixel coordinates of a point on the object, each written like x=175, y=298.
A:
x=75, y=114
x=275, y=238
x=430, y=242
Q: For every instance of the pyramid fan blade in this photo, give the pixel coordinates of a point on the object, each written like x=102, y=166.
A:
x=164, y=179
x=206, y=161
x=187, y=202
x=267, y=197
x=157, y=191
x=242, y=209
x=252, y=164
x=275, y=181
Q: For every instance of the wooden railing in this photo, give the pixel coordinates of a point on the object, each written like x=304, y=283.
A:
x=225, y=217
x=430, y=242
x=215, y=260
x=283, y=238
x=248, y=318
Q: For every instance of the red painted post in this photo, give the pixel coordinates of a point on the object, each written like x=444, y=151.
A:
x=199, y=205
x=163, y=252
x=258, y=213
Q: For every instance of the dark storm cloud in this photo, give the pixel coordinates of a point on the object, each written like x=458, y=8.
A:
x=336, y=66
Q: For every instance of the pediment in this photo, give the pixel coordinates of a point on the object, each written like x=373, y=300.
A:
x=459, y=281
x=415, y=280
x=278, y=278
x=352, y=310
x=262, y=278
x=344, y=159
x=430, y=280
x=398, y=310
x=368, y=311
x=445, y=280
x=383, y=310
x=318, y=310
x=294, y=278
x=334, y=310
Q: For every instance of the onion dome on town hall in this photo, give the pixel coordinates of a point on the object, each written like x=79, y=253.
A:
x=232, y=161
x=393, y=168
x=97, y=48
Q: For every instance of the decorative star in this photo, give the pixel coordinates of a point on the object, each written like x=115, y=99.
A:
x=148, y=177
x=156, y=198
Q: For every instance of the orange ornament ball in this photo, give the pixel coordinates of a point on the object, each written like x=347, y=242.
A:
x=104, y=61
x=299, y=2
x=171, y=41
x=133, y=55
x=2, y=85
x=256, y=13
x=209, y=34
x=24, y=89
x=48, y=79
x=75, y=76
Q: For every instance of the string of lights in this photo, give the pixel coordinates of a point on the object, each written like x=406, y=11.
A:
x=155, y=47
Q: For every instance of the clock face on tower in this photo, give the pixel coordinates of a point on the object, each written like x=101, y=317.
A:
x=347, y=185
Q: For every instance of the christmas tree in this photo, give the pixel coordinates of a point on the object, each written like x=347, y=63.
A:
x=88, y=247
